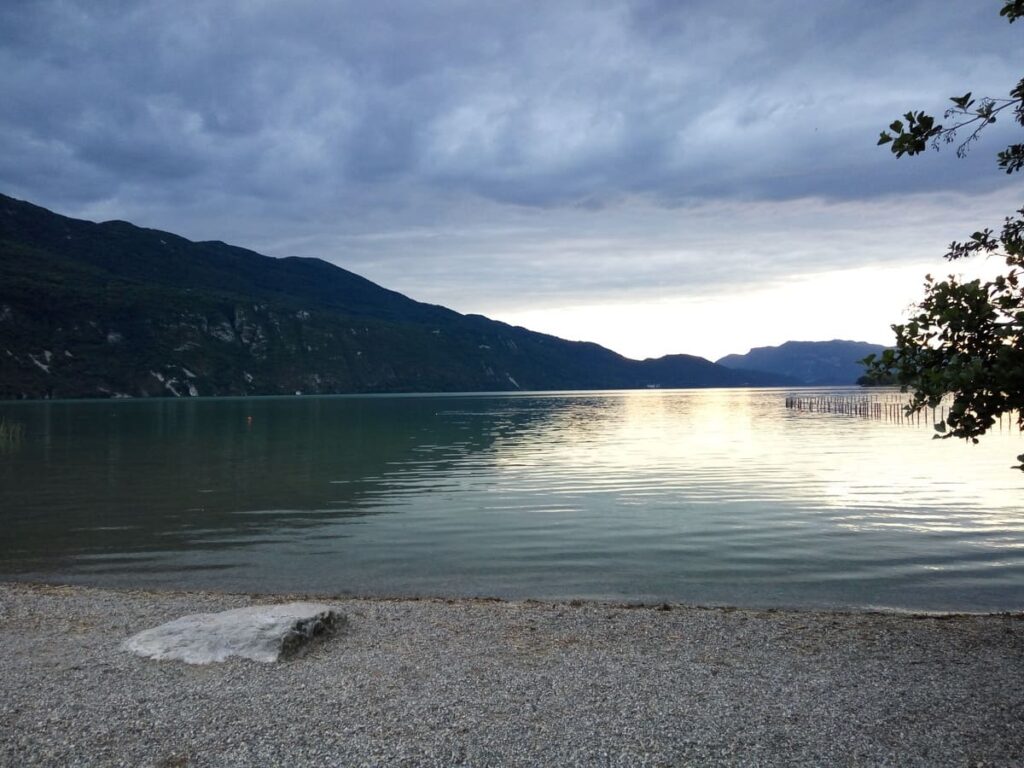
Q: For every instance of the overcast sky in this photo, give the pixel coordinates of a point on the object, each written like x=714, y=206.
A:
x=656, y=176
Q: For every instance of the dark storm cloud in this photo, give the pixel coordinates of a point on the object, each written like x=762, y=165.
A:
x=534, y=103
x=312, y=128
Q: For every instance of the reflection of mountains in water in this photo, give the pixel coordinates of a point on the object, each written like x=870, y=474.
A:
x=194, y=475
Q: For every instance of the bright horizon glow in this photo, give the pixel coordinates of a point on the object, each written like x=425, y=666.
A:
x=808, y=308
x=853, y=305
x=707, y=280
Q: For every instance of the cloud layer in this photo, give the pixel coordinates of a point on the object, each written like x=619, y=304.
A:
x=503, y=152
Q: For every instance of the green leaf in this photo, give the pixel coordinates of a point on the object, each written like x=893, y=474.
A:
x=962, y=101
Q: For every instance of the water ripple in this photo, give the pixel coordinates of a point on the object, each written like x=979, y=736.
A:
x=713, y=496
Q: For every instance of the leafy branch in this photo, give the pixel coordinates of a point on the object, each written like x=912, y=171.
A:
x=966, y=338
x=920, y=129
x=1012, y=10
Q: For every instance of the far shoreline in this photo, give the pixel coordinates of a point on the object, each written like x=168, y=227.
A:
x=437, y=393
x=271, y=596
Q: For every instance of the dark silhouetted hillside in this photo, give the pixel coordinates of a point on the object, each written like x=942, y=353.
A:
x=809, y=362
x=94, y=310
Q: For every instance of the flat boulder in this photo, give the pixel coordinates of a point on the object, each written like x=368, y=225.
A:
x=265, y=633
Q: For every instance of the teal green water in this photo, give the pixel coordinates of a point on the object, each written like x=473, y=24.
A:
x=701, y=496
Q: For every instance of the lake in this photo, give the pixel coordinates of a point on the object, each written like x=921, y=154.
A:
x=722, y=496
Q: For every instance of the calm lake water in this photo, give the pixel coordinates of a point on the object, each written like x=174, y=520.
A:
x=700, y=496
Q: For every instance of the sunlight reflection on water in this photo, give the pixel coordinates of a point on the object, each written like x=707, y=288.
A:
x=703, y=496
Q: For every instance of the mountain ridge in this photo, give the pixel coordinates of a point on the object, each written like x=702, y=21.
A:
x=111, y=309
x=813, y=363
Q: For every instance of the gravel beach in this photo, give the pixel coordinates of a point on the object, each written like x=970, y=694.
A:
x=478, y=682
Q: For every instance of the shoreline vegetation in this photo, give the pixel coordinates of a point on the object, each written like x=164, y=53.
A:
x=480, y=681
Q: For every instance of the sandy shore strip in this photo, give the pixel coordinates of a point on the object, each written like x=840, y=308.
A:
x=476, y=682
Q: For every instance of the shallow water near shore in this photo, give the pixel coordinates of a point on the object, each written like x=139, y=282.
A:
x=695, y=496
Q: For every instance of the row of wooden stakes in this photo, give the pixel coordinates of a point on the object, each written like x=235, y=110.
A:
x=890, y=408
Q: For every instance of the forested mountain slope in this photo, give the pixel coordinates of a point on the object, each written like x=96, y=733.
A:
x=95, y=310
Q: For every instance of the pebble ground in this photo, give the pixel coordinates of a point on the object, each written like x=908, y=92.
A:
x=476, y=682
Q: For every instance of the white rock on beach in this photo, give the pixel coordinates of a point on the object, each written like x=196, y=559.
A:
x=260, y=633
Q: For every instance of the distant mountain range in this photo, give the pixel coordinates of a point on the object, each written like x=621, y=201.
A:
x=112, y=309
x=816, y=363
